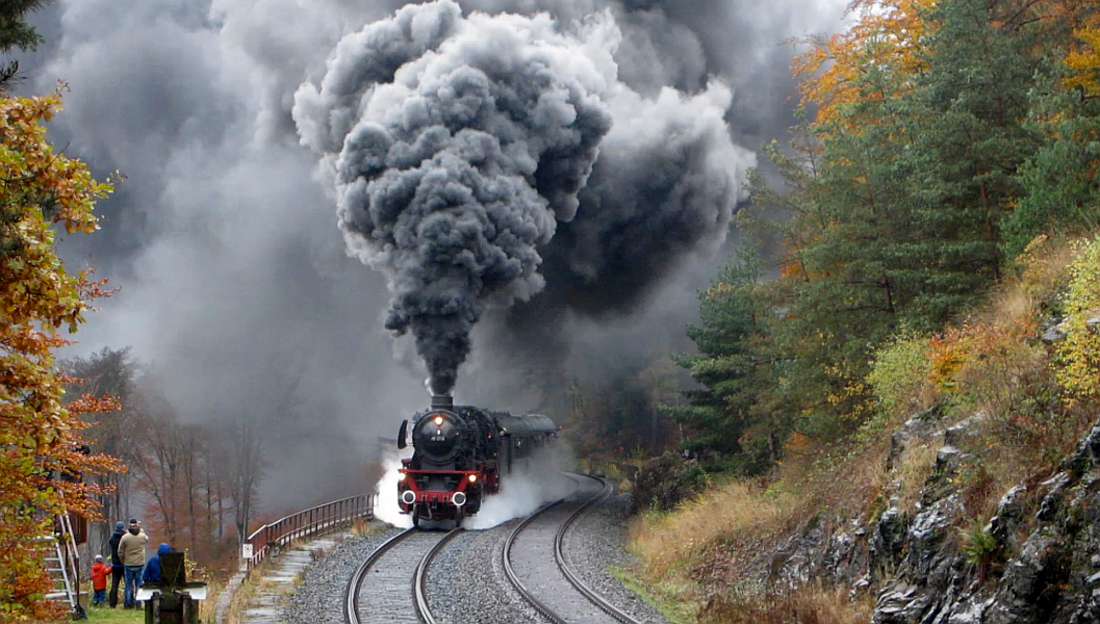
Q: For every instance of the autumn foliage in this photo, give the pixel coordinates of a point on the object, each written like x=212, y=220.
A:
x=42, y=454
x=885, y=39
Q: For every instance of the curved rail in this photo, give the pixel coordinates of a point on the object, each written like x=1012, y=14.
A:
x=575, y=579
x=419, y=584
x=351, y=606
x=541, y=608
x=420, y=581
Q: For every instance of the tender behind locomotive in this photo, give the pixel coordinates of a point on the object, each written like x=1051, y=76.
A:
x=459, y=455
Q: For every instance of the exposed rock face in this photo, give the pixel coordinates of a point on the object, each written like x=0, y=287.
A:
x=914, y=563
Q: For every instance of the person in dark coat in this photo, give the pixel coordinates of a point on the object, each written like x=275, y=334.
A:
x=151, y=574
x=117, y=569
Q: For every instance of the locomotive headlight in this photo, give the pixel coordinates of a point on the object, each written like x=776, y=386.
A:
x=473, y=478
x=401, y=476
x=438, y=421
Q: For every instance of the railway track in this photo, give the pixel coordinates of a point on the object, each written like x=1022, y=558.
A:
x=389, y=587
x=381, y=593
x=558, y=593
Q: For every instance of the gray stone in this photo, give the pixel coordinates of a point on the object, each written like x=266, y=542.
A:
x=965, y=430
x=1030, y=588
x=1009, y=514
x=1052, y=502
x=1055, y=332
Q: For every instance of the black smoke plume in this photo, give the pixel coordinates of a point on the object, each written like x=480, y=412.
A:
x=456, y=144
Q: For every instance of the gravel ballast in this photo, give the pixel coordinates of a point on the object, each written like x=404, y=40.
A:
x=595, y=544
x=466, y=581
x=319, y=598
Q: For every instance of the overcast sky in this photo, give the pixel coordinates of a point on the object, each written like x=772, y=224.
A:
x=235, y=276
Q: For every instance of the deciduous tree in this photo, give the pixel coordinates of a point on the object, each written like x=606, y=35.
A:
x=39, y=436
x=113, y=373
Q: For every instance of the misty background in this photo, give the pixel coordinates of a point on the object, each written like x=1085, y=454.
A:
x=235, y=279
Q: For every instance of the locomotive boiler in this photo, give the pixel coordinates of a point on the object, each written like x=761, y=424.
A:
x=460, y=454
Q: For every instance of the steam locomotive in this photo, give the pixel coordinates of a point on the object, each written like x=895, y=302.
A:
x=459, y=455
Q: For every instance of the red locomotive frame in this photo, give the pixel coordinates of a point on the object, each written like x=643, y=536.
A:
x=440, y=503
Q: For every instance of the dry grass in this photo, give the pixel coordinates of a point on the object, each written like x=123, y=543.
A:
x=912, y=471
x=667, y=542
x=248, y=589
x=1008, y=376
x=214, y=589
x=809, y=604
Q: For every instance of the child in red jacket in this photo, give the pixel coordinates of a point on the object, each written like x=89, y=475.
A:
x=99, y=581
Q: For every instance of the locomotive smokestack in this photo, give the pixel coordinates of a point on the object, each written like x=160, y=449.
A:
x=443, y=401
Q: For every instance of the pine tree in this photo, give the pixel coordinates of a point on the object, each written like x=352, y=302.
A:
x=969, y=109
x=722, y=424
x=1061, y=181
x=16, y=33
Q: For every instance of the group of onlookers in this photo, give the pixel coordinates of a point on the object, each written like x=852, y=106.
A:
x=128, y=566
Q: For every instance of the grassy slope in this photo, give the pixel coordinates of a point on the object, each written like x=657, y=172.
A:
x=992, y=366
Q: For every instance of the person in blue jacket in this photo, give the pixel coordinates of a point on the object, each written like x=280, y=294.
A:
x=152, y=567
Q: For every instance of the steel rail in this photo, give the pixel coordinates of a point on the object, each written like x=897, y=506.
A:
x=351, y=604
x=559, y=558
x=541, y=608
x=570, y=575
x=420, y=582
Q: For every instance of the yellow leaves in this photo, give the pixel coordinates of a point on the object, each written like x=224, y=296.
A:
x=1084, y=60
x=1079, y=353
x=900, y=374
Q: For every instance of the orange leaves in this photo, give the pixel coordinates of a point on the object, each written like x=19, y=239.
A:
x=42, y=455
x=948, y=353
x=852, y=66
x=89, y=404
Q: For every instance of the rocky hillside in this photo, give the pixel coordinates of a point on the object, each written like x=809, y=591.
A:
x=971, y=493
x=1037, y=560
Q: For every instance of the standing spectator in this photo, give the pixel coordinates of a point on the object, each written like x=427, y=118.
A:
x=131, y=548
x=152, y=567
x=99, y=582
x=117, y=569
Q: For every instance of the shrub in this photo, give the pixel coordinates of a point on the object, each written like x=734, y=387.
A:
x=1079, y=353
x=668, y=480
x=899, y=375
